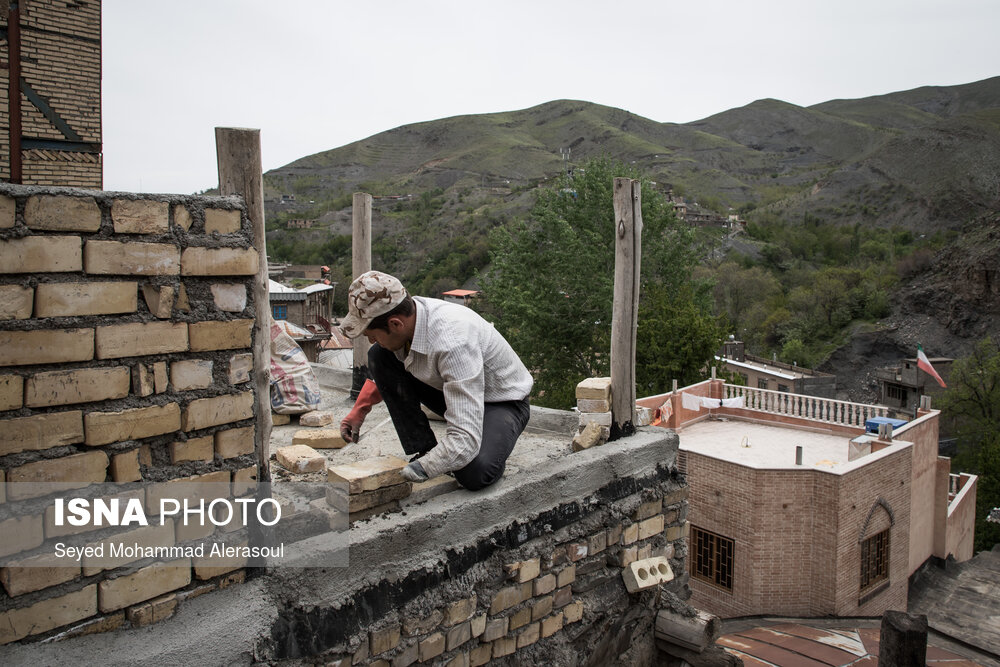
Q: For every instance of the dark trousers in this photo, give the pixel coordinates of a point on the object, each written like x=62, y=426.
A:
x=404, y=394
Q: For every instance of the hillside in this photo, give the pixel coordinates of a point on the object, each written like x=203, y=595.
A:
x=925, y=160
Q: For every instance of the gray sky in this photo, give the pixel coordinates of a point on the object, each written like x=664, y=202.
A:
x=317, y=74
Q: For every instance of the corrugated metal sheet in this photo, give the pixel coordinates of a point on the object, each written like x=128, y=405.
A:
x=798, y=645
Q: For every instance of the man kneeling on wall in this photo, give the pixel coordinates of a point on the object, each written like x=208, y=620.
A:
x=448, y=358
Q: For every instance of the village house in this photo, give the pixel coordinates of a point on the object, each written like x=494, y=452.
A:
x=772, y=374
x=797, y=510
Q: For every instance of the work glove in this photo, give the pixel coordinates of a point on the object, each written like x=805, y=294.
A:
x=350, y=426
x=414, y=472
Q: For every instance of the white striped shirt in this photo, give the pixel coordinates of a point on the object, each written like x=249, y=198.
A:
x=457, y=351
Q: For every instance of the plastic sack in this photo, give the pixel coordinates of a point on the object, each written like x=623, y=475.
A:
x=294, y=387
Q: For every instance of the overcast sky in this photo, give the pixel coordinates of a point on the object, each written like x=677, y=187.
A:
x=318, y=74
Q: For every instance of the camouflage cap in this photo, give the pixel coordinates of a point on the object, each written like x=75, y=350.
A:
x=370, y=295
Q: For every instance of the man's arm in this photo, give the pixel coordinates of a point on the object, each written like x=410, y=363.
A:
x=461, y=369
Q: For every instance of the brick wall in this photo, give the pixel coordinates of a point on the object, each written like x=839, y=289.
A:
x=545, y=590
x=61, y=61
x=796, y=534
x=125, y=351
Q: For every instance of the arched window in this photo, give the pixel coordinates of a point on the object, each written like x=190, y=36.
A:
x=876, y=547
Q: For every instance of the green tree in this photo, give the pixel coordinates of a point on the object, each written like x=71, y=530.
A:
x=971, y=406
x=551, y=283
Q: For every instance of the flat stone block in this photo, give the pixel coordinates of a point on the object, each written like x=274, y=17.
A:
x=41, y=254
x=326, y=438
x=369, y=474
x=300, y=458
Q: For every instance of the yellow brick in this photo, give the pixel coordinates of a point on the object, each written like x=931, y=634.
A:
x=651, y=526
x=37, y=572
x=85, y=385
x=196, y=487
x=190, y=374
x=142, y=380
x=207, y=567
x=149, y=582
x=480, y=655
x=234, y=442
x=598, y=389
x=125, y=467
x=132, y=216
x=153, y=611
x=103, y=428
x=46, y=346
x=20, y=534
x=195, y=449
x=41, y=254
x=48, y=614
x=182, y=217
x=135, y=340
x=11, y=393
x=328, y=438
x=384, y=639
x=205, y=336
x=225, y=409
x=552, y=624
x=159, y=300
x=15, y=302
x=240, y=367
x=573, y=611
x=7, y=211
x=219, y=262
x=72, y=299
x=431, y=647
x=160, y=376
x=221, y=221
x=25, y=434
x=122, y=258
x=244, y=480
x=528, y=636
x=153, y=535
x=62, y=214
x=75, y=471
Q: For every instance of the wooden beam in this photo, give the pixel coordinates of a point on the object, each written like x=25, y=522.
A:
x=240, y=173
x=361, y=262
x=625, y=313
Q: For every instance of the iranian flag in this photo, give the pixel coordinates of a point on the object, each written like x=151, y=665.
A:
x=924, y=364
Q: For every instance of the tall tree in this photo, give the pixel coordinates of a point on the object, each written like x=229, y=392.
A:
x=972, y=405
x=551, y=282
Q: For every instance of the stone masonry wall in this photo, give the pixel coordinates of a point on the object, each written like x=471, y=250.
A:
x=61, y=62
x=125, y=356
x=546, y=590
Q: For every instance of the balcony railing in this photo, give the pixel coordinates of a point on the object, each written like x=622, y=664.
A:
x=826, y=410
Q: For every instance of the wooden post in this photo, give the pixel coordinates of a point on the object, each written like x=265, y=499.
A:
x=628, y=255
x=238, y=152
x=361, y=262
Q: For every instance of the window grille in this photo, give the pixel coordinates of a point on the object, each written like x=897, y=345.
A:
x=279, y=312
x=712, y=558
x=874, y=560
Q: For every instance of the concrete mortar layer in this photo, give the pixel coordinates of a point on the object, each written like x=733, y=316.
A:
x=234, y=626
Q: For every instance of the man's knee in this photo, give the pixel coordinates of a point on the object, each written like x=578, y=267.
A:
x=476, y=476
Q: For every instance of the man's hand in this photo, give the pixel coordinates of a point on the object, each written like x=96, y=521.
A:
x=414, y=472
x=350, y=426
x=350, y=430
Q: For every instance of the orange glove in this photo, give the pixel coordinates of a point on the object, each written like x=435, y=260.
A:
x=350, y=427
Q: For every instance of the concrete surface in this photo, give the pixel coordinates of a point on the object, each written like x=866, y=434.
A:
x=232, y=626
